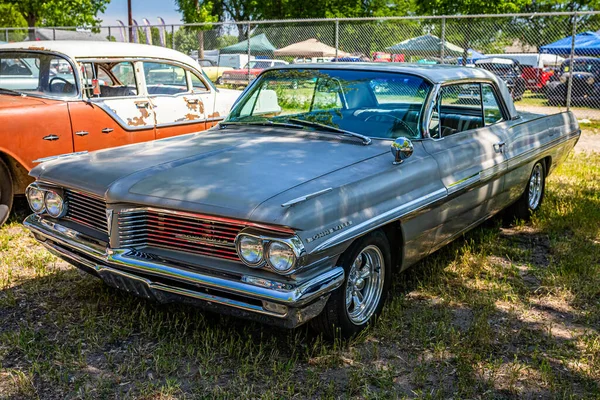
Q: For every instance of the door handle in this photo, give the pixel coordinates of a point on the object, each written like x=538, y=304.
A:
x=107, y=130
x=82, y=133
x=51, y=138
x=499, y=147
x=191, y=101
x=141, y=104
x=553, y=131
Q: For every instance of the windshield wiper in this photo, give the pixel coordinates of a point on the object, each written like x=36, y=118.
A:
x=365, y=139
x=11, y=92
x=262, y=123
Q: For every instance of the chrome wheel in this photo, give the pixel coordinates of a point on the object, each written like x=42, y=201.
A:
x=536, y=186
x=365, y=285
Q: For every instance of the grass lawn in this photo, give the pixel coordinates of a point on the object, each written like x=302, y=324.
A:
x=501, y=312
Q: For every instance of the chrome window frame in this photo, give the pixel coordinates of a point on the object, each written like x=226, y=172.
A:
x=435, y=93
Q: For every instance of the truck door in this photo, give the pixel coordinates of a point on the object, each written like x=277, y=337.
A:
x=115, y=113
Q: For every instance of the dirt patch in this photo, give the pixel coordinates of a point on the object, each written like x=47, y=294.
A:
x=588, y=142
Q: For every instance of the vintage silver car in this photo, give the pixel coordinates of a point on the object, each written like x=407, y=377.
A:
x=293, y=208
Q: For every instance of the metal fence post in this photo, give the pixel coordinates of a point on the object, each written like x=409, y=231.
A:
x=337, y=37
x=173, y=37
x=248, y=46
x=109, y=35
x=443, y=39
x=572, y=55
x=6, y=35
x=53, y=34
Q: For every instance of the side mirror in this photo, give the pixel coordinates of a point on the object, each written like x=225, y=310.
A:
x=402, y=148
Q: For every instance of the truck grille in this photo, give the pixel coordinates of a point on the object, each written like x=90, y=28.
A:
x=86, y=209
x=178, y=231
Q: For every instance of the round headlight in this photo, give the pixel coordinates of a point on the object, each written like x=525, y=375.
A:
x=281, y=256
x=35, y=198
x=590, y=80
x=250, y=249
x=54, y=204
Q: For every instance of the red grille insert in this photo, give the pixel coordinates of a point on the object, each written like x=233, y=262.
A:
x=180, y=232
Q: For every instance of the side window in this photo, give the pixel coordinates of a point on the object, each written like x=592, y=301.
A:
x=197, y=84
x=123, y=84
x=492, y=113
x=163, y=78
x=37, y=74
x=458, y=110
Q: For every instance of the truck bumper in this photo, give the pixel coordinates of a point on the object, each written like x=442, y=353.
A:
x=148, y=276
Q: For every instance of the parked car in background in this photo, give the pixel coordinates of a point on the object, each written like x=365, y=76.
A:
x=310, y=60
x=241, y=77
x=62, y=97
x=213, y=71
x=508, y=70
x=293, y=209
x=379, y=56
x=536, y=69
x=586, y=82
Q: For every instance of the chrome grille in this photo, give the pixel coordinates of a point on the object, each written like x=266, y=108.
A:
x=179, y=231
x=86, y=209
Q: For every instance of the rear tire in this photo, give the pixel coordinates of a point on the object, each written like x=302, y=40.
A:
x=360, y=299
x=6, y=192
x=531, y=200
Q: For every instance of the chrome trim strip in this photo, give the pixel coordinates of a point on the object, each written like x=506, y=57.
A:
x=118, y=119
x=306, y=197
x=382, y=219
x=463, y=183
x=185, y=122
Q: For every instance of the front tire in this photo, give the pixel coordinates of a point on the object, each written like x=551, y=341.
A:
x=6, y=192
x=531, y=200
x=353, y=306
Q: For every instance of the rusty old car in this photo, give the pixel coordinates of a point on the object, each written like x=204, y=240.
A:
x=293, y=209
x=63, y=97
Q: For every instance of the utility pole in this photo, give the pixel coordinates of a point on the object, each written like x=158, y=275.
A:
x=130, y=21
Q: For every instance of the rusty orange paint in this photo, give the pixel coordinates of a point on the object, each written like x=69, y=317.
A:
x=136, y=121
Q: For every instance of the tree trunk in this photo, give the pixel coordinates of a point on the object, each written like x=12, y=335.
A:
x=200, y=44
x=31, y=20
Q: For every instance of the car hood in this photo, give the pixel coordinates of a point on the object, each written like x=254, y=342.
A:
x=226, y=172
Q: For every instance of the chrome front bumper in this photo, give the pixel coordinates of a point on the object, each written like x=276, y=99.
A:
x=286, y=305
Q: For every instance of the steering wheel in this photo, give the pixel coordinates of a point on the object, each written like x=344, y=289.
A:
x=51, y=82
x=403, y=123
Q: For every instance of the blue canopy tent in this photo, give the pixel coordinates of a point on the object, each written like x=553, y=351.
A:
x=472, y=56
x=586, y=44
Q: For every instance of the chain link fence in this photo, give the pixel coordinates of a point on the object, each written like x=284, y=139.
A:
x=548, y=60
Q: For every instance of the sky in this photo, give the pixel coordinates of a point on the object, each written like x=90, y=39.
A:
x=150, y=9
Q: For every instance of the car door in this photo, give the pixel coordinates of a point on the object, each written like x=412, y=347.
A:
x=468, y=144
x=36, y=121
x=179, y=107
x=114, y=112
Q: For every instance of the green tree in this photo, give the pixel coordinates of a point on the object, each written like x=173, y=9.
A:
x=481, y=33
x=11, y=18
x=58, y=12
x=197, y=11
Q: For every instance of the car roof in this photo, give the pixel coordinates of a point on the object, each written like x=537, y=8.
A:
x=436, y=73
x=78, y=49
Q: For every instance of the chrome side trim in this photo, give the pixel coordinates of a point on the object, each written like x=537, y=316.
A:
x=384, y=218
x=463, y=183
x=306, y=197
x=116, y=118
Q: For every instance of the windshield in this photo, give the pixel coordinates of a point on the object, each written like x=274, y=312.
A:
x=582, y=66
x=258, y=64
x=37, y=74
x=371, y=103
